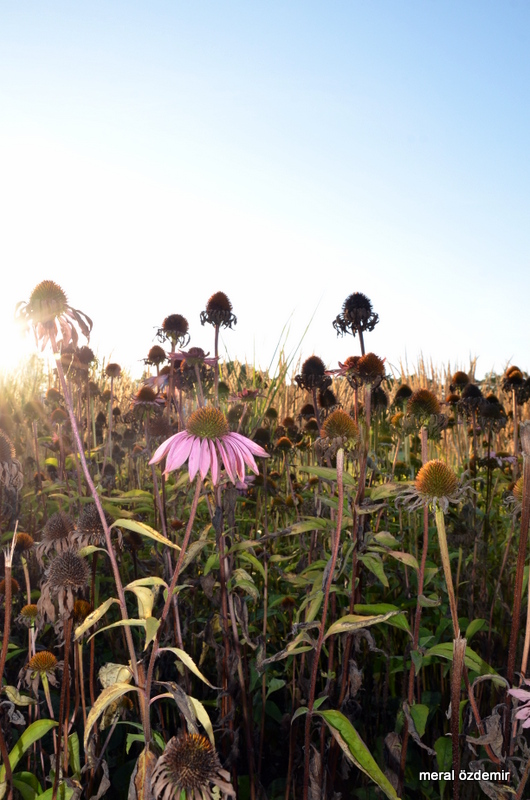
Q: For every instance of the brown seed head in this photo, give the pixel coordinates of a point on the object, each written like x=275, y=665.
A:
x=189, y=763
x=340, y=424
x=208, y=423
x=113, y=370
x=68, y=571
x=423, y=404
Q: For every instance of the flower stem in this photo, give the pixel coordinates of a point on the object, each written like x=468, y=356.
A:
x=320, y=641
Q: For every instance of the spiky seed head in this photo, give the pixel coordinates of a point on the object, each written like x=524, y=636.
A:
x=145, y=394
x=262, y=437
x=403, y=393
x=44, y=661
x=311, y=427
x=235, y=413
x=89, y=524
x=271, y=414
x=307, y=411
x=326, y=398
x=288, y=422
x=423, y=403
x=397, y=419
x=59, y=527
x=313, y=366
x=189, y=763
x=47, y=302
x=284, y=444
x=85, y=355
x=68, y=571
x=58, y=416
x=460, y=379
x=436, y=479
x=175, y=325
x=219, y=302
x=81, y=611
x=24, y=542
x=513, y=370
x=207, y=423
x=219, y=311
x=471, y=392
x=156, y=355
x=518, y=490
x=357, y=307
x=53, y=395
x=7, y=449
x=340, y=424
x=452, y=399
x=379, y=398
x=113, y=370
x=370, y=367
x=15, y=587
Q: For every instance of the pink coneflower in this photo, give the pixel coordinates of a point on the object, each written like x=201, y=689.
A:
x=207, y=436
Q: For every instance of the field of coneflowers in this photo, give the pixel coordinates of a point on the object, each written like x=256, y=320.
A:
x=218, y=583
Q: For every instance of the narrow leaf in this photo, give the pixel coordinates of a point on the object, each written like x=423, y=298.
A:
x=144, y=530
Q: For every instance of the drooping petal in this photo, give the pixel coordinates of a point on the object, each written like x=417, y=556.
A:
x=245, y=453
x=228, y=460
x=204, y=459
x=178, y=452
x=195, y=457
x=237, y=458
x=161, y=451
x=215, y=463
x=254, y=448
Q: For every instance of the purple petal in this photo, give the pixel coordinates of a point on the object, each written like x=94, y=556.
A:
x=247, y=456
x=195, y=454
x=249, y=444
x=520, y=694
x=161, y=451
x=179, y=451
x=204, y=461
x=237, y=458
x=215, y=463
x=227, y=460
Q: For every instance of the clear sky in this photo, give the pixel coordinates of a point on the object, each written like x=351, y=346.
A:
x=286, y=153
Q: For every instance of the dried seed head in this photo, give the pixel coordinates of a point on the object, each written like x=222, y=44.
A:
x=326, y=399
x=53, y=395
x=156, y=355
x=24, y=542
x=340, y=424
x=58, y=416
x=90, y=529
x=207, y=423
x=81, y=611
x=371, y=368
x=219, y=311
x=284, y=444
x=518, y=490
x=435, y=479
x=68, y=571
x=57, y=531
x=357, y=315
x=422, y=404
x=189, y=763
x=313, y=375
x=403, y=393
x=460, y=379
x=113, y=370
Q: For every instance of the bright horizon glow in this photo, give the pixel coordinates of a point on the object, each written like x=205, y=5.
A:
x=289, y=156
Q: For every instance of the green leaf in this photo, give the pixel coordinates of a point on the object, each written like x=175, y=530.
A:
x=254, y=561
x=472, y=661
x=73, y=752
x=274, y=685
x=419, y=714
x=386, y=539
x=189, y=662
x=429, y=602
x=31, y=735
x=355, y=749
x=375, y=565
x=151, y=626
x=405, y=558
x=64, y=792
x=129, y=623
x=399, y=621
x=329, y=474
x=474, y=627
x=385, y=490
x=444, y=756
x=144, y=530
x=27, y=784
x=354, y=622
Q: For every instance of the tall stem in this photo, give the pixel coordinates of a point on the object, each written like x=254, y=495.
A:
x=97, y=501
x=320, y=641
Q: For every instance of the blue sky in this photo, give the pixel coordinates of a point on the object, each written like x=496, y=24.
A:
x=286, y=153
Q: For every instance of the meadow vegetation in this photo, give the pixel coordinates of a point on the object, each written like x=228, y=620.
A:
x=218, y=582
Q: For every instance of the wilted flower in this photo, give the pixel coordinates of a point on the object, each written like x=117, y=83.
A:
x=190, y=764
x=219, y=311
x=435, y=483
x=207, y=435
x=357, y=316
x=66, y=575
x=11, y=474
x=313, y=375
x=175, y=329
x=56, y=535
x=49, y=313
